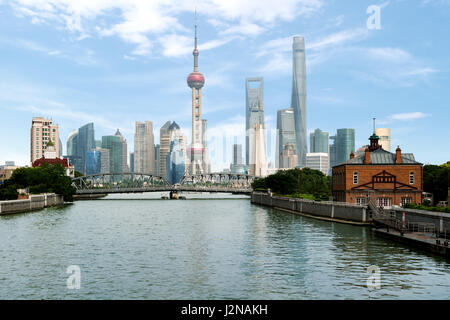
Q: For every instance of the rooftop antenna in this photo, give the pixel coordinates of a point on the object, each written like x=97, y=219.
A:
x=373, y=125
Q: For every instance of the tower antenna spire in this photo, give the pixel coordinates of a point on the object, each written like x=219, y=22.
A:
x=374, y=125
x=195, y=26
x=195, y=52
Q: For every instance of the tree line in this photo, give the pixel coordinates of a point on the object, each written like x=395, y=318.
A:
x=47, y=178
x=306, y=183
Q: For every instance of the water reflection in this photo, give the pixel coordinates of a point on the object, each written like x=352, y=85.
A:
x=204, y=249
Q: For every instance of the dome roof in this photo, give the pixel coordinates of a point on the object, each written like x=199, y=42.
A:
x=195, y=80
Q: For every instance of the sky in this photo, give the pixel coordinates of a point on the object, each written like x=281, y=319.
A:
x=114, y=62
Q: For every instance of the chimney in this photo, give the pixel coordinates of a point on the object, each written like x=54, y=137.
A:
x=352, y=155
x=398, y=155
x=367, y=156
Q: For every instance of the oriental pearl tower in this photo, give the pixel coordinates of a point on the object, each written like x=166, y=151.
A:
x=197, y=151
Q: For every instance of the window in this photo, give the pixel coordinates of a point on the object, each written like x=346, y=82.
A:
x=361, y=201
x=406, y=200
x=384, y=202
x=355, y=178
x=411, y=177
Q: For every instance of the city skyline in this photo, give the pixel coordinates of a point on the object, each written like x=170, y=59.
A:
x=84, y=90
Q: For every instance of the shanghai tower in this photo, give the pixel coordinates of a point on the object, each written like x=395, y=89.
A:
x=298, y=100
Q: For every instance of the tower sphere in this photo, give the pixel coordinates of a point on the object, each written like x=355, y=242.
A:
x=195, y=80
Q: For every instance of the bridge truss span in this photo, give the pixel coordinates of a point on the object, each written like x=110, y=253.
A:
x=117, y=182
x=106, y=183
x=228, y=180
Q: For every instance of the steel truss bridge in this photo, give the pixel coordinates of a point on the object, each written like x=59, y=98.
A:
x=105, y=183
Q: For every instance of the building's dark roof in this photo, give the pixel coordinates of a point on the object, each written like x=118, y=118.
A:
x=381, y=156
x=174, y=126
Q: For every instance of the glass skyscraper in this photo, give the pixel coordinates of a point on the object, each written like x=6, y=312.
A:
x=85, y=142
x=344, y=144
x=114, y=145
x=254, y=111
x=176, y=159
x=298, y=99
x=93, y=162
x=319, y=142
x=285, y=133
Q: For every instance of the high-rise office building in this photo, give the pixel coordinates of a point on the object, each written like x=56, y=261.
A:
x=385, y=138
x=344, y=144
x=298, y=99
x=237, y=164
x=318, y=161
x=97, y=161
x=177, y=161
x=164, y=148
x=42, y=132
x=206, y=162
x=85, y=142
x=237, y=154
x=285, y=134
x=319, y=141
x=197, y=150
x=132, y=162
x=288, y=158
x=115, y=147
x=124, y=151
x=257, y=152
x=157, y=159
x=254, y=112
x=72, y=143
x=144, y=148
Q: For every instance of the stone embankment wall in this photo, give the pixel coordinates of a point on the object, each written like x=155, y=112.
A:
x=33, y=203
x=440, y=219
x=350, y=213
x=335, y=211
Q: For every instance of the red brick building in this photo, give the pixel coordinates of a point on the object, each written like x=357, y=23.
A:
x=50, y=158
x=387, y=178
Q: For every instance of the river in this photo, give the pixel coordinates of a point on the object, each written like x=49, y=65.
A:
x=141, y=247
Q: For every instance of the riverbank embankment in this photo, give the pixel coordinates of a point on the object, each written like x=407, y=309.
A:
x=324, y=210
x=34, y=202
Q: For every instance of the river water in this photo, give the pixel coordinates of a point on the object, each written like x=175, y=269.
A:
x=141, y=247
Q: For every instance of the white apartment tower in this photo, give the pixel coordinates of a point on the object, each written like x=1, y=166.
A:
x=42, y=131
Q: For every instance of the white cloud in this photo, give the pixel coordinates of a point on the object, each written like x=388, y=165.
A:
x=338, y=38
x=408, y=116
x=144, y=22
x=395, y=66
x=318, y=51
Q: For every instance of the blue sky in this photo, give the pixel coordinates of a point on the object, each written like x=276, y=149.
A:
x=113, y=62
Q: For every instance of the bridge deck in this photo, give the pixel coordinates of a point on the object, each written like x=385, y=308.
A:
x=165, y=189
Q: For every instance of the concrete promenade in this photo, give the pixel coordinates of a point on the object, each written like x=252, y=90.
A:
x=35, y=202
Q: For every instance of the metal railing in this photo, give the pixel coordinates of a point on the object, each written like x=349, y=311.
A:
x=422, y=227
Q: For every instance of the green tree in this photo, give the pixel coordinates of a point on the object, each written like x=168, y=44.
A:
x=295, y=181
x=45, y=178
x=436, y=181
